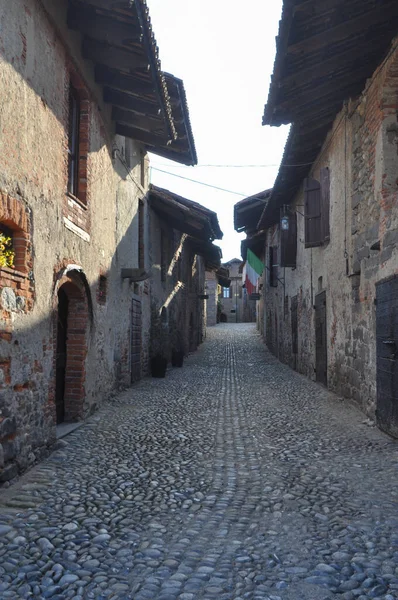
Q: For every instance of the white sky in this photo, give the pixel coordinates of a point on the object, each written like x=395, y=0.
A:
x=224, y=52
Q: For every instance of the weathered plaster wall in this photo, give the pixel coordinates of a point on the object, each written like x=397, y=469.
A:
x=37, y=55
x=361, y=153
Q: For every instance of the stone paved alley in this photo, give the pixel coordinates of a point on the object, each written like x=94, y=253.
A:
x=232, y=478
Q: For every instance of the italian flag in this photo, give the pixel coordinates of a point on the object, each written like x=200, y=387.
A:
x=254, y=269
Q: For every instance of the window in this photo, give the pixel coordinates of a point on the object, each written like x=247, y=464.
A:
x=316, y=209
x=273, y=266
x=226, y=292
x=102, y=288
x=73, y=141
x=288, y=228
x=7, y=252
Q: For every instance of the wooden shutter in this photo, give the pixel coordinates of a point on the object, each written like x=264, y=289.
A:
x=312, y=211
x=273, y=266
x=289, y=242
x=325, y=203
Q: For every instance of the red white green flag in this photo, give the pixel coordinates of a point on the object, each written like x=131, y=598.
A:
x=254, y=270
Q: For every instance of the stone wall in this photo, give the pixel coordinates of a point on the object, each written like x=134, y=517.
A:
x=361, y=153
x=178, y=278
x=211, y=303
x=54, y=234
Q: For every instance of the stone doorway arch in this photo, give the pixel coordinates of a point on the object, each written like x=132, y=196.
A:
x=71, y=330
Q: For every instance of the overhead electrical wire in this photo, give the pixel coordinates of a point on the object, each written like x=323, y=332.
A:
x=215, y=187
x=232, y=166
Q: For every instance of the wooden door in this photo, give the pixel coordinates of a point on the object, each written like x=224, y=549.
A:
x=136, y=340
x=321, y=356
x=387, y=355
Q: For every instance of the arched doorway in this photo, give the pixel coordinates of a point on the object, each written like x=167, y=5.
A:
x=71, y=349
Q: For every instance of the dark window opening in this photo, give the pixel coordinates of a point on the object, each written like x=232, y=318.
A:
x=273, y=266
x=102, y=289
x=73, y=141
x=317, y=209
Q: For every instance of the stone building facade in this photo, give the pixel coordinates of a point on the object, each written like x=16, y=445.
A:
x=215, y=280
x=73, y=184
x=236, y=305
x=181, y=251
x=330, y=225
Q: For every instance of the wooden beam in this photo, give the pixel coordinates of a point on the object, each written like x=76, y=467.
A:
x=323, y=93
x=130, y=102
x=141, y=136
x=113, y=57
x=343, y=31
x=128, y=83
x=102, y=28
x=127, y=117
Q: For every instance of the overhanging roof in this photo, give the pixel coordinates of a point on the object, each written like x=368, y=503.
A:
x=185, y=215
x=222, y=275
x=325, y=53
x=254, y=242
x=248, y=211
x=183, y=148
x=118, y=38
x=211, y=253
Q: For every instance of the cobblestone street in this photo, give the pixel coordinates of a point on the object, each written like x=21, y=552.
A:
x=232, y=478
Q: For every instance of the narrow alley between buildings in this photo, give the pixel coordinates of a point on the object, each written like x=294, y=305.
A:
x=233, y=478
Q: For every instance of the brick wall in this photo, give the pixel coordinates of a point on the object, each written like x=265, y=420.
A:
x=94, y=234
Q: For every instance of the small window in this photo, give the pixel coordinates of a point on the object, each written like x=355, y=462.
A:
x=226, y=292
x=102, y=289
x=7, y=252
x=317, y=209
x=73, y=141
x=273, y=266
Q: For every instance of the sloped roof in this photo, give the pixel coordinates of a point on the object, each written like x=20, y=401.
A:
x=325, y=52
x=185, y=215
x=119, y=40
x=248, y=211
x=222, y=275
x=210, y=252
x=255, y=242
x=183, y=148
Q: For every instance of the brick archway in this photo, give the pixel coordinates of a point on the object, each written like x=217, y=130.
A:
x=70, y=348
